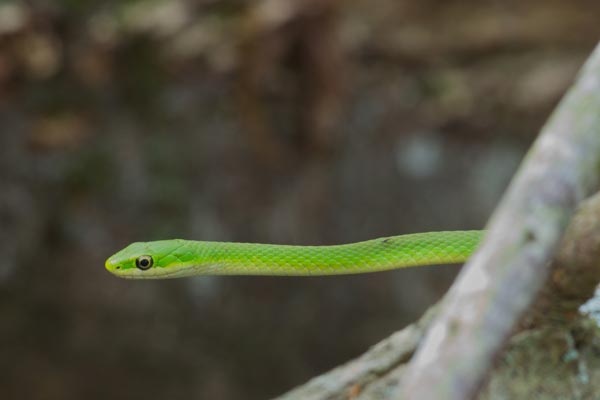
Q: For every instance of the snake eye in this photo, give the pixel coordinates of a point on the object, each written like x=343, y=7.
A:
x=144, y=262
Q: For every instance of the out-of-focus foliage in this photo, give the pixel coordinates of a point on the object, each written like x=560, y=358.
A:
x=290, y=121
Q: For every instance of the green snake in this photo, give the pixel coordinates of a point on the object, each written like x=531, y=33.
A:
x=177, y=257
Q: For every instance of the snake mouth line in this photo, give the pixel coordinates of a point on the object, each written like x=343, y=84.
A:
x=173, y=271
x=138, y=274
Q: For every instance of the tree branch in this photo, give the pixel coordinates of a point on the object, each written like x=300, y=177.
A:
x=501, y=280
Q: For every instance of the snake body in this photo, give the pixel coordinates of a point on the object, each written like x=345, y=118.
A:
x=177, y=257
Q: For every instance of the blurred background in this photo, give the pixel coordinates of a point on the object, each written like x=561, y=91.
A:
x=283, y=121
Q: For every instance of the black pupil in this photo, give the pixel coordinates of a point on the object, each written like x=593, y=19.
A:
x=144, y=262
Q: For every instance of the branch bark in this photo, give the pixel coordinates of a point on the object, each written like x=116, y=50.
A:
x=501, y=281
x=575, y=271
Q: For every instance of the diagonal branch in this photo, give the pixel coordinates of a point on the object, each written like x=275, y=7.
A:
x=501, y=281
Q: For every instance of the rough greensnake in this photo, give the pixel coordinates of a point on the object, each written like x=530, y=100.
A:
x=177, y=258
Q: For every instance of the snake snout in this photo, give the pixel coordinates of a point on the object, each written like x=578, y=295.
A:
x=112, y=265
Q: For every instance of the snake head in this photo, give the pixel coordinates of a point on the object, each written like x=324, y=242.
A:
x=147, y=260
